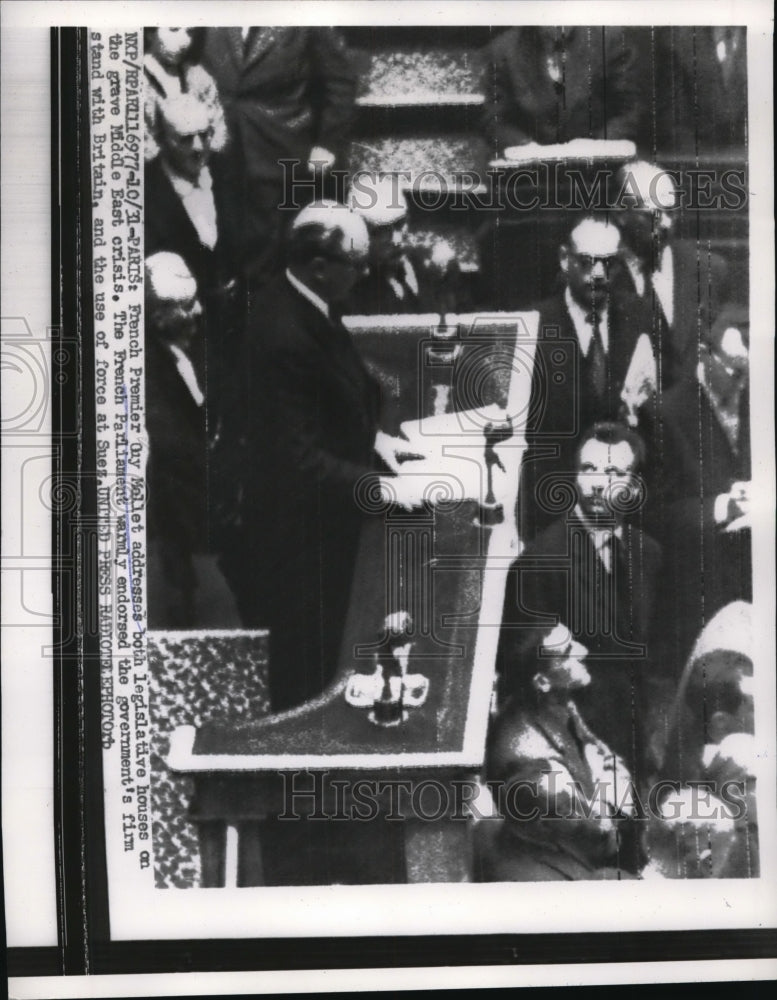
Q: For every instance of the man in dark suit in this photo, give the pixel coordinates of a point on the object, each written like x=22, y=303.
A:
x=546, y=766
x=550, y=85
x=288, y=94
x=681, y=282
x=185, y=588
x=701, y=90
x=401, y=278
x=187, y=212
x=587, y=366
x=701, y=482
x=312, y=448
x=598, y=573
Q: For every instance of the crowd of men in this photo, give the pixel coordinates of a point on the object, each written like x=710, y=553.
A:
x=263, y=418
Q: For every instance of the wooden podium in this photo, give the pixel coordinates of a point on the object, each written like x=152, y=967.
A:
x=324, y=793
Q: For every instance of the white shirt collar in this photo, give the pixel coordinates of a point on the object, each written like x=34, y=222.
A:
x=583, y=327
x=599, y=535
x=663, y=283
x=308, y=294
x=410, y=280
x=183, y=187
x=199, y=204
x=187, y=373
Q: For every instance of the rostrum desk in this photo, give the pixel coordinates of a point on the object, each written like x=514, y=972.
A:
x=320, y=793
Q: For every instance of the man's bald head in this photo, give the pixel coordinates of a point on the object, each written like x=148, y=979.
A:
x=647, y=196
x=173, y=310
x=327, y=248
x=331, y=221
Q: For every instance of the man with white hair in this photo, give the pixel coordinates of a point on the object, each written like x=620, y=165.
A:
x=313, y=443
x=180, y=569
x=186, y=206
x=681, y=281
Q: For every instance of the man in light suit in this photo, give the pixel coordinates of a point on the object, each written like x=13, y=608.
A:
x=288, y=93
x=544, y=765
x=313, y=447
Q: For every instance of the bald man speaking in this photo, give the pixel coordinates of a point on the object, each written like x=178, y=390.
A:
x=312, y=412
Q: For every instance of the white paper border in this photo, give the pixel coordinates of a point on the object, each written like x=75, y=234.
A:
x=708, y=904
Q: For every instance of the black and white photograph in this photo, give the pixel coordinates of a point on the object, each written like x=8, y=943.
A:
x=422, y=535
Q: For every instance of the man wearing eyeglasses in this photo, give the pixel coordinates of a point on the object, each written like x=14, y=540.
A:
x=589, y=332
x=312, y=447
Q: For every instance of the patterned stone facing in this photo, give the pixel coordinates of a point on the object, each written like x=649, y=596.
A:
x=417, y=155
x=196, y=677
x=419, y=76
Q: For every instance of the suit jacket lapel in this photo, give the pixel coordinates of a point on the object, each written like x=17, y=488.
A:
x=236, y=48
x=262, y=40
x=335, y=342
x=179, y=220
x=622, y=341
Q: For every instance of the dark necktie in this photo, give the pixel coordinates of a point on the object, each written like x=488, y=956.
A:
x=597, y=359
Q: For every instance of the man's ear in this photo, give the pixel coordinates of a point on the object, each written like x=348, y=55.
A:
x=563, y=257
x=541, y=682
x=318, y=268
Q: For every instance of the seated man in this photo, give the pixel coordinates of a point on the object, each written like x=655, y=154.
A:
x=713, y=699
x=401, y=279
x=599, y=573
x=694, y=834
x=557, y=786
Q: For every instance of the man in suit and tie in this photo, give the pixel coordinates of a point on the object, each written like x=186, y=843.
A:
x=681, y=282
x=186, y=590
x=187, y=212
x=401, y=278
x=288, y=94
x=313, y=447
x=596, y=571
x=584, y=370
x=701, y=477
x=561, y=791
